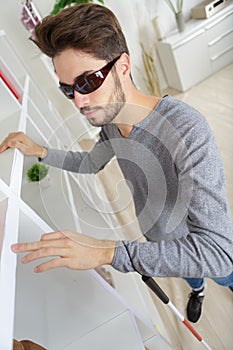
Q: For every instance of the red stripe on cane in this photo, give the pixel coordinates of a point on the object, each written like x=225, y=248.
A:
x=188, y=325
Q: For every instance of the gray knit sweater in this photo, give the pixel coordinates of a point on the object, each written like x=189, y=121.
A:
x=174, y=171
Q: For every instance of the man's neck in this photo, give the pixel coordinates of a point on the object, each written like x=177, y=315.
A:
x=134, y=112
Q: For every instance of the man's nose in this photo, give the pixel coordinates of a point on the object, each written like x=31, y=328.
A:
x=80, y=100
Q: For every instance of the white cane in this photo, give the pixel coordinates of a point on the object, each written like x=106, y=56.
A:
x=150, y=282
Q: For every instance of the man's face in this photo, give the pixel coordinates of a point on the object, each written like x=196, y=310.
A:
x=101, y=106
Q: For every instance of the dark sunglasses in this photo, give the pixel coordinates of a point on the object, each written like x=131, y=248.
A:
x=85, y=84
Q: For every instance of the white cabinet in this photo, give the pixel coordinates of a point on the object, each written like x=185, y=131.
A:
x=202, y=49
x=59, y=309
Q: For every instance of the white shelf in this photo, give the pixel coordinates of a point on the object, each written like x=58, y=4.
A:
x=50, y=203
x=7, y=157
x=9, y=105
x=92, y=207
x=77, y=294
x=106, y=337
x=59, y=309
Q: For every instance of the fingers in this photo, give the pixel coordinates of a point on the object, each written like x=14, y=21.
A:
x=55, y=239
x=13, y=140
x=53, y=235
x=5, y=144
x=22, y=142
x=44, y=253
x=75, y=237
x=3, y=147
x=51, y=264
x=32, y=246
x=51, y=244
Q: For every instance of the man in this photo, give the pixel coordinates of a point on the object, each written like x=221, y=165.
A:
x=164, y=148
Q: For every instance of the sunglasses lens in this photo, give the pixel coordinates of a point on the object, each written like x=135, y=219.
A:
x=85, y=84
x=67, y=90
x=89, y=84
x=95, y=81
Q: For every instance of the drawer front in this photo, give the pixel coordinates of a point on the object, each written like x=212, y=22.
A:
x=221, y=44
x=219, y=27
x=222, y=59
x=192, y=61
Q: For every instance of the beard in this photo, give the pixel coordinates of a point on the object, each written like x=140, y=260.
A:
x=108, y=112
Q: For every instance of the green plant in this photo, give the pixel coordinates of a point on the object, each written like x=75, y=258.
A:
x=177, y=8
x=37, y=172
x=60, y=4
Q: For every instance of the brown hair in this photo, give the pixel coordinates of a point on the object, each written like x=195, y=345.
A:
x=90, y=28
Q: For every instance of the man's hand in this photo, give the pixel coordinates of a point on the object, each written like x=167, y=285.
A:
x=24, y=144
x=68, y=249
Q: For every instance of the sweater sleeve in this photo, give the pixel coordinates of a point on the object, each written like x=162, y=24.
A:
x=207, y=249
x=82, y=162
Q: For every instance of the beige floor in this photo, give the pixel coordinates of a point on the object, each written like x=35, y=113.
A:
x=214, y=99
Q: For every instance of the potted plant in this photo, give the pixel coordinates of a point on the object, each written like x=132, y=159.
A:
x=37, y=172
x=177, y=8
x=60, y=4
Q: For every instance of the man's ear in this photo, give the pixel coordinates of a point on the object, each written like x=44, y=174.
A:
x=124, y=65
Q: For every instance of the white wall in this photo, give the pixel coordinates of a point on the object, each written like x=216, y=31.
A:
x=134, y=15
x=136, y=18
x=167, y=18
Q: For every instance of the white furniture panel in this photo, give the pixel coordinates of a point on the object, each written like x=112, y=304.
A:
x=58, y=307
x=219, y=25
x=106, y=337
x=3, y=210
x=203, y=48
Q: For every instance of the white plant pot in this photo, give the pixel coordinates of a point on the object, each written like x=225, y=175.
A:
x=180, y=21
